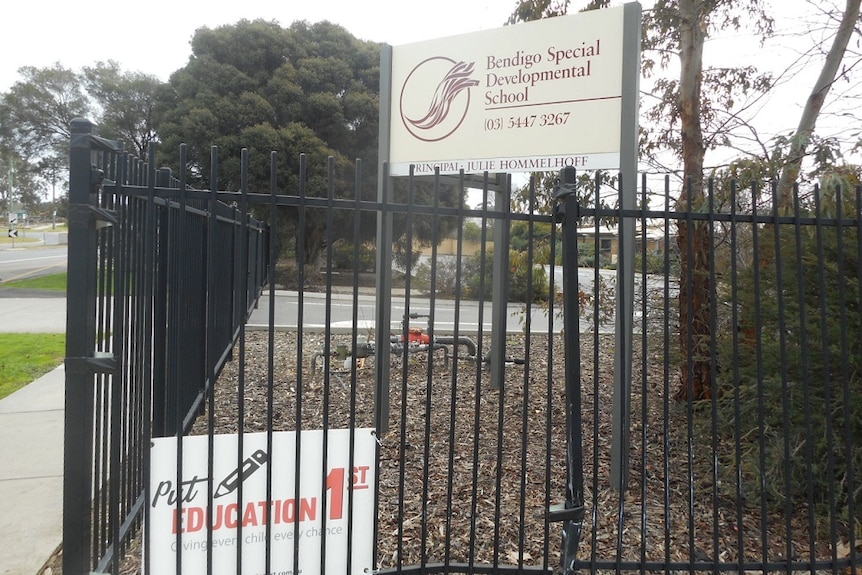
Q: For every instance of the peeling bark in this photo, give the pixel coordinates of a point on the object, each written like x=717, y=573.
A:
x=693, y=237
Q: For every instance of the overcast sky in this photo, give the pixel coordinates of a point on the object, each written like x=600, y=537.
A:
x=152, y=36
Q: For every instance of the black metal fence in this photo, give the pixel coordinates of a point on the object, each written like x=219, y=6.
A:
x=161, y=279
x=738, y=440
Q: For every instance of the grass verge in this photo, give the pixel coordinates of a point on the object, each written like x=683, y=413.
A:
x=27, y=356
x=51, y=282
x=6, y=240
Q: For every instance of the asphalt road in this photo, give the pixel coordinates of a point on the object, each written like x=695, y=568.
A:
x=24, y=261
x=29, y=260
x=337, y=312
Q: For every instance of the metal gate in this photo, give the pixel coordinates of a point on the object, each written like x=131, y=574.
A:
x=194, y=349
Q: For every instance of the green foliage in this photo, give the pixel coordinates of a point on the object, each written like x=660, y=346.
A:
x=310, y=89
x=522, y=234
x=405, y=259
x=445, y=277
x=38, y=109
x=519, y=276
x=472, y=232
x=343, y=257
x=125, y=103
x=25, y=357
x=23, y=179
x=658, y=263
x=305, y=89
x=797, y=361
x=472, y=285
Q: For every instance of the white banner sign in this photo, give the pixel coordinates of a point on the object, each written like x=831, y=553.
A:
x=316, y=511
x=534, y=96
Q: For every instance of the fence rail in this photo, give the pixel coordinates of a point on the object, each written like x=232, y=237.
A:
x=741, y=419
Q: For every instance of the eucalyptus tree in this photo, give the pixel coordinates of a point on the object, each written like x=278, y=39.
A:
x=831, y=71
x=35, y=115
x=698, y=109
x=37, y=112
x=39, y=108
x=123, y=103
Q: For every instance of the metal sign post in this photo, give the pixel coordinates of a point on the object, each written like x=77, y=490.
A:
x=13, y=232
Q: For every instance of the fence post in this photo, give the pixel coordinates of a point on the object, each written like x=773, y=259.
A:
x=572, y=512
x=500, y=284
x=625, y=262
x=80, y=343
x=383, y=311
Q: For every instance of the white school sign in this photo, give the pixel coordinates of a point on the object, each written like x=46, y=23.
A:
x=537, y=96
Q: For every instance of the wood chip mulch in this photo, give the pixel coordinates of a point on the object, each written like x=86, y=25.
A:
x=497, y=459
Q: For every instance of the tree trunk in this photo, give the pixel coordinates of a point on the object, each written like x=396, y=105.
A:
x=799, y=143
x=693, y=237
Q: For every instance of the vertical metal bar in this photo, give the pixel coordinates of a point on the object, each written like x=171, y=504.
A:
x=782, y=343
x=498, y=357
x=139, y=352
x=270, y=368
x=850, y=437
x=210, y=294
x=689, y=365
x=713, y=361
x=102, y=436
x=242, y=289
x=300, y=318
x=150, y=408
x=429, y=372
x=666, y=393
x=107, y=315
x=826, y=371
x=383, y=340
x=804, y=348
x=597, y=364
x=478, y=400
x=622, y=399
x=758, y=347
x=327, y=382
x=354, y=354
x=80, y=337
x=567, y=214
x=801, y=293
x=177, y=286
x=526, y=412
x=161, y=239
x=645, y=319
x=117, y=381
x=549, y=386
x=735, y=359
x=454, y=372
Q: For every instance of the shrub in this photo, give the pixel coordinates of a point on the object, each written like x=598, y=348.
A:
x=792, y=394
x=518, y=276
x=343, y=257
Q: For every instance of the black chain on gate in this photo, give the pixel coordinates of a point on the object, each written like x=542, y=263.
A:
x=571, y=512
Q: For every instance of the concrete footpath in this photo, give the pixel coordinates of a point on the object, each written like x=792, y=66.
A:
x=31, y=448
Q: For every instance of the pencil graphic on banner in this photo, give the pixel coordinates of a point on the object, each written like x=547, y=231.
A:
x=251, y=464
